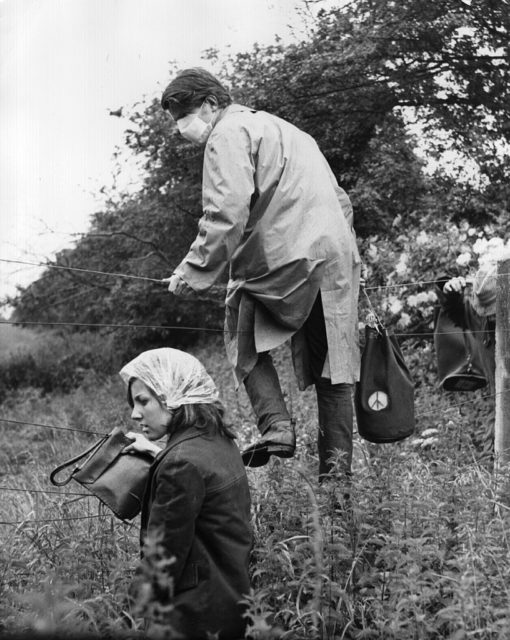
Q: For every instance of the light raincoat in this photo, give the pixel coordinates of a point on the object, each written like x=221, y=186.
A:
x=274, y=211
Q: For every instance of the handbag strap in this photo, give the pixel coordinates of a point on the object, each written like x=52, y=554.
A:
x=68, y=463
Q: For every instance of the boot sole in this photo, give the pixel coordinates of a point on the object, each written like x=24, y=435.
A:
x=258, y=455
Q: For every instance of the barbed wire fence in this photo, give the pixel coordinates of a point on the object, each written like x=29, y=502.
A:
x=502, y=444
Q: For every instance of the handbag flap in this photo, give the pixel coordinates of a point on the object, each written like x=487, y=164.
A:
x=102, y=457
x=121, y=485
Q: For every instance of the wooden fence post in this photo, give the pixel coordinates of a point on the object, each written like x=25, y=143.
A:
x=502, y=420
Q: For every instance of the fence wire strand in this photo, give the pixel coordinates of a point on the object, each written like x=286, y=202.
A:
x=159, y=280
x=59, y=493
x=460, y=404
x=106, y=325
x=14, y=523
x=46, y=520
x=206, y=329
x=82, y=270
x=173, y=328
x=49, y=426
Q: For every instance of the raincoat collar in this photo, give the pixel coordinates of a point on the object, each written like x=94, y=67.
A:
x=233, y=108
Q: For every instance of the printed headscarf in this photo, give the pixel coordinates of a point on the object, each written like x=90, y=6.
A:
x=175, y=377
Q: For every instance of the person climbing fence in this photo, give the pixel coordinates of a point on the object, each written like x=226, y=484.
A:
x=274, y=213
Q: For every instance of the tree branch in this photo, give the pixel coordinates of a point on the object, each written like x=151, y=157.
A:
x=132, y=236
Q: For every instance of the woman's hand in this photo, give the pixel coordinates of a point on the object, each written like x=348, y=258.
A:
x=140, y=444
x=456, y=285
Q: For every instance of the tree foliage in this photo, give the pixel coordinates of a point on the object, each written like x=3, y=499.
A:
x=374, y=82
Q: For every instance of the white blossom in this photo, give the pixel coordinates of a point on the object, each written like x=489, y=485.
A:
x=395, y=305
x=422, y=297
x=372, y=252
x=404, y=320
x=429, y=432
x=429, y=442
x=422, y=238
x=463, y=259
x=480, y=245
x=401, y=266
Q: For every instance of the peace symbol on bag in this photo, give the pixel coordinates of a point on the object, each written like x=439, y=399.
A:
x=378, y=401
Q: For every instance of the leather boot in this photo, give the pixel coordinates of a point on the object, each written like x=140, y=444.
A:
x=278, y=440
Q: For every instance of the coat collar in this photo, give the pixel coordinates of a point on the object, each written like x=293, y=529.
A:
x=176, y=439
x=233, y=108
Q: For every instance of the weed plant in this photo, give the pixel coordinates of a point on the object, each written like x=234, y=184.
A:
x=414, y=546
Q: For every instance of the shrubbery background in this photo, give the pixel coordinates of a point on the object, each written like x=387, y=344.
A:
x=419, y=552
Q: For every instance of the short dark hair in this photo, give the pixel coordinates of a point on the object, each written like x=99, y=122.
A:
x=190, y=88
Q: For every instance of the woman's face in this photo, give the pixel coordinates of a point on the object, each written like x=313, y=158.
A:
x=153, y=417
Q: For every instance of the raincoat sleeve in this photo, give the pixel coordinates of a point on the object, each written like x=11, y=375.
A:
x=179, y=496
x=228, y=187
x=346, y=205
x=342, y=197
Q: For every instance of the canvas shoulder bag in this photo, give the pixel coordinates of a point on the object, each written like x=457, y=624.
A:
x=384, y=395
x=117, y=479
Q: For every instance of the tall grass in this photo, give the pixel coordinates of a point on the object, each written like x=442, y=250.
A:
x=414, y=547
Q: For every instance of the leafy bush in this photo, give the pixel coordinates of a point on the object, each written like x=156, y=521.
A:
x=58, y=362
x=350, y=84
x=401, y=272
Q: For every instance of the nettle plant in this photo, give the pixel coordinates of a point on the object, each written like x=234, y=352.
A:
x=401, y=272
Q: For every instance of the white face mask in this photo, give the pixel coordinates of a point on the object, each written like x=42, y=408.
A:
x=194, y=128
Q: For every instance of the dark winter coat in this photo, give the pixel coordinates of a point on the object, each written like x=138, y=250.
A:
x=198, y=499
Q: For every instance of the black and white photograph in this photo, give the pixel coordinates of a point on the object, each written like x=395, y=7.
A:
x=255, y=319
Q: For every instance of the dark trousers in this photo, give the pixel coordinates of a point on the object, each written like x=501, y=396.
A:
x=334, y=401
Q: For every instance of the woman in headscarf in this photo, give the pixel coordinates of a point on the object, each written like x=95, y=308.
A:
x=196, y=503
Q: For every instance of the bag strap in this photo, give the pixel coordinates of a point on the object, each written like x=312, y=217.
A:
x=64, y=465
x=373, y=319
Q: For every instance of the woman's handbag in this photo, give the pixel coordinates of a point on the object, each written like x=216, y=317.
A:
x=459, y=363
x=115, y=478
x=384, y=397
